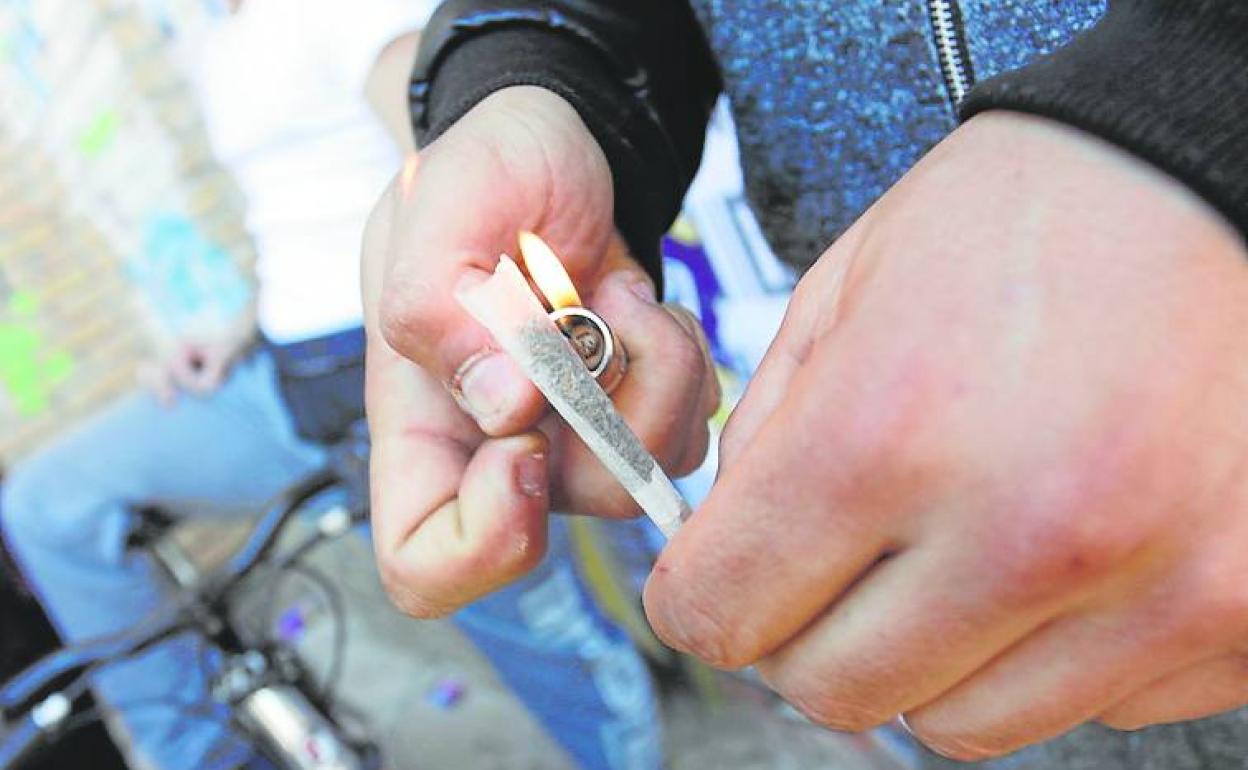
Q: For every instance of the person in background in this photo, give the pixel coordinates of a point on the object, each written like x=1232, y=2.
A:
x=991, y=474
x=297, y=97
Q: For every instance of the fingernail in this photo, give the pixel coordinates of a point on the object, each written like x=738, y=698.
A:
x=485, y=386
x=531, y=475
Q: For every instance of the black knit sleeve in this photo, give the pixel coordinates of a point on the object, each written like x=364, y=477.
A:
x=1164, y=79
x=638, y=72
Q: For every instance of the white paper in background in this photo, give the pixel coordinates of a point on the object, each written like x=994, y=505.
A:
x=717, y=205
x=751, y=287
x=755, y=285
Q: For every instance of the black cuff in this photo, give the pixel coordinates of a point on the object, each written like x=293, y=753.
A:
x=458, y=72
x=1164, y=79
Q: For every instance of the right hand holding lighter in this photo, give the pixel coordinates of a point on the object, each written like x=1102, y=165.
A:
x=467, y=461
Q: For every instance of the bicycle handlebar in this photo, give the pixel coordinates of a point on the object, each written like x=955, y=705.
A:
x=44, y=674
x=20, y=742
x=39, y=678
x=264, y=536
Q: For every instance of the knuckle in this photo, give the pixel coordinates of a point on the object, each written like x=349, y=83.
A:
x=666, y=424
x=668, y=450
x=461, y=574
x=685, y=356
x=952, y=745
x=688, y=621
x=697, y=337
x=836, y=712
x=1215, y=602
x=398, y=581
x=1048, y=553
x=404, y=316
x=714, y=398
x=1123, y=720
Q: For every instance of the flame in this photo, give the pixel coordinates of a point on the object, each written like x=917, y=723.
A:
x=408, y=175
x=547, y=272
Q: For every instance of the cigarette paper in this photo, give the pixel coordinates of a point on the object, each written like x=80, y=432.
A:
x=506, y=306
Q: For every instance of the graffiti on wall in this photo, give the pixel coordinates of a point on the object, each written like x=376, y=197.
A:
x=30, y=369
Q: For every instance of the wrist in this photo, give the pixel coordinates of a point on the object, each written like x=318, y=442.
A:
x=1057, y=165
x=1162, y=80
x=457, y=73
x=548, y=115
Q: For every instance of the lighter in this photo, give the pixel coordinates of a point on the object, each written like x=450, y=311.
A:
x=590, y=336
x=561, y=351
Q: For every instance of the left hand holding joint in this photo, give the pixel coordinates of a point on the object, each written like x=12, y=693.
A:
x=993, y=475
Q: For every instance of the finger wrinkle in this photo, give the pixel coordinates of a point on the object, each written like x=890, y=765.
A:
x=403, y=313
x=433, y=437
x=837, y=714
x=412, y=530
x=685, y=620
x=957, y=748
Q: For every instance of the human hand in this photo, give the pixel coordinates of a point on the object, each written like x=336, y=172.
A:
x=197, y=364
x=993, y=473
x=460, y=495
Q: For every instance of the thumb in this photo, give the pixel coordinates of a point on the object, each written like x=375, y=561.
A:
x=469, y=195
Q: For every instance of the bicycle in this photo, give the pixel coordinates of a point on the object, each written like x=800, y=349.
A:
x=261, y=682
x=270, y=697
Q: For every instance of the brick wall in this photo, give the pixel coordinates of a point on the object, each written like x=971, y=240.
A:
x=107, y=191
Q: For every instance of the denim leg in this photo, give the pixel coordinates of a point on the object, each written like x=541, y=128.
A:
x=577, y=672
x=67, y=512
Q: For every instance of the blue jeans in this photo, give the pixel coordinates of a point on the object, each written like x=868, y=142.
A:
x=68, y=510
x=578, y=673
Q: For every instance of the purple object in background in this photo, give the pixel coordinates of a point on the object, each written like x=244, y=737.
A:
x=446, y=693
x=291, y=625
x=690, y=280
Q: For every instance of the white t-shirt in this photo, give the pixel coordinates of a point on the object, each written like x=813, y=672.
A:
x=281, y=84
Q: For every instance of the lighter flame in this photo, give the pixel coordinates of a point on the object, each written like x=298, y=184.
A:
x=547, y=272
x=408, y=175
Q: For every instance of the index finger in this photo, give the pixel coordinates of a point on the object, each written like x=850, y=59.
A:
x=793, y=521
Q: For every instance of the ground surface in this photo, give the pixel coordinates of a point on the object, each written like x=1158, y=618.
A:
x=394, y=665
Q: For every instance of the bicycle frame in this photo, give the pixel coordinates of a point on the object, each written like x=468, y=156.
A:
x=285, y=722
